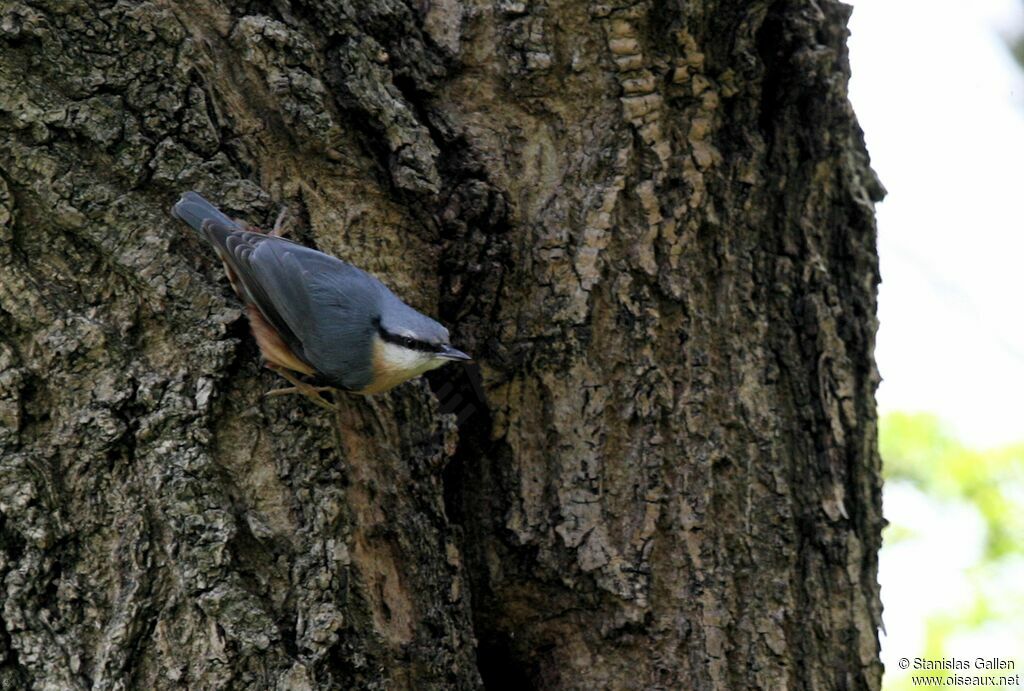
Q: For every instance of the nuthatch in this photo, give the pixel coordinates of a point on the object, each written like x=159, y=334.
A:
x=316, y=315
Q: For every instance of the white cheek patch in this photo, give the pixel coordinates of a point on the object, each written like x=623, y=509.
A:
x=393, y=364
x=410, y=362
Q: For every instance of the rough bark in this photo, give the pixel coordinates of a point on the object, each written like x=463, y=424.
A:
x=652, y=222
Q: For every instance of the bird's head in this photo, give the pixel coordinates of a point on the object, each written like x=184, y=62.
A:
x=407, y=344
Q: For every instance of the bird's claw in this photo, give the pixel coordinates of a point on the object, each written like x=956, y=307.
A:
x=311, y=392
x=300, y=387
x=283, y=223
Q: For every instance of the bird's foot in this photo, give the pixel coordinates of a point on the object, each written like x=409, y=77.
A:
x=283, y=223
x=300, y=387
x=310, y=392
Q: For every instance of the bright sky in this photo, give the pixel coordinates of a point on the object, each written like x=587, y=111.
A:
x=941, y=103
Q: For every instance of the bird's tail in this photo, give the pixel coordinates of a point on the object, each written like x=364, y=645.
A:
x=194, y=210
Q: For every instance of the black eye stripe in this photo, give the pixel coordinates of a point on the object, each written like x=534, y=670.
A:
x=408, y=342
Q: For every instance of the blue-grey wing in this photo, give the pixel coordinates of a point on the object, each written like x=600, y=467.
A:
x=236, y=248
x=324, y=309
x=331, y=307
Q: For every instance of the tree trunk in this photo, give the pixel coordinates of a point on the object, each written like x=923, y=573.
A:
x=651, y=222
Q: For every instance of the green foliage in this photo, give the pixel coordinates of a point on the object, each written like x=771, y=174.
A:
x=918, y=450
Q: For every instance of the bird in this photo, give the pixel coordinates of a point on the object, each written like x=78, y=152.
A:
x=316, y=316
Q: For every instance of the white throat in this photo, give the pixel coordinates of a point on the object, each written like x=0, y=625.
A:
x=394, y=364
x=392, y=356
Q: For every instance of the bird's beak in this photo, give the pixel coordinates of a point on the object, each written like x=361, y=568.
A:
x=449, y=353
